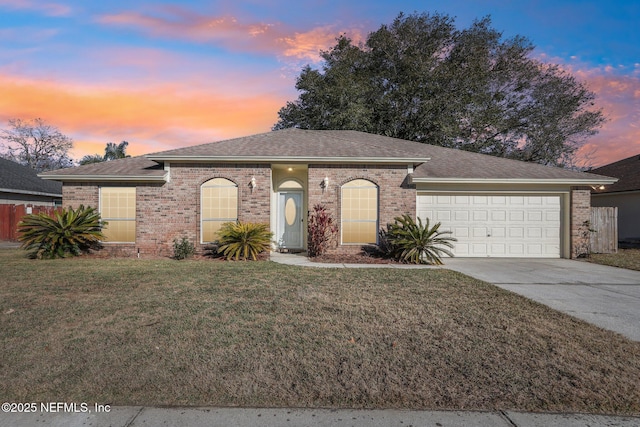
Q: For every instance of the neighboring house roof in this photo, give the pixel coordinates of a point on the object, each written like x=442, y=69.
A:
x=626, y=170
x=15, y=178
x=431, y=163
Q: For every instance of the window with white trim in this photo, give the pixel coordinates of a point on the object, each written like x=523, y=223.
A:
x=359, y=212
x=219, y=204
x=118, y=209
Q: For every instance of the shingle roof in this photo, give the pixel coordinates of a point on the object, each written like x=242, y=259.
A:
x=139, y=168
x=447, y=163
x=301, y=144
x=626, y=170
x=335, y=146
x=16, y=178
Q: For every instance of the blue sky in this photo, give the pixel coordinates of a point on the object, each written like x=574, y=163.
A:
x=163, y=75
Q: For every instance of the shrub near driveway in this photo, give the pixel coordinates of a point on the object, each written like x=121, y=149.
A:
x=163, y=332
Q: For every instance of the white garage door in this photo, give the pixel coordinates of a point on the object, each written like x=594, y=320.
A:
x=496, y=225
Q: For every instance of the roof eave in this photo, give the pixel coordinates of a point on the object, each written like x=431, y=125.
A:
x=31, y=193
x=557, y=181
x=288, y=159
x=109, y=178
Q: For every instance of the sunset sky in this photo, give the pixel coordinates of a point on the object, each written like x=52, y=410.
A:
x=164, y=75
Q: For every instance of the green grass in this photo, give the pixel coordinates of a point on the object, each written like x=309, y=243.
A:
x=625, y=258
x=165, y=332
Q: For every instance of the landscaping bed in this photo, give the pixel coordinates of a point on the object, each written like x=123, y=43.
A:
x=197, y=332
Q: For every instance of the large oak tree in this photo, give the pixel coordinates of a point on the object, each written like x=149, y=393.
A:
x=422, y=79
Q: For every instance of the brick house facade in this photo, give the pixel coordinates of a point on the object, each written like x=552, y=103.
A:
x=277, y=178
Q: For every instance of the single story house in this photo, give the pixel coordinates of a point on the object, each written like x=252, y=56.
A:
x=23, y=192
x=624, y=194
x=495, y=207
x=20, y=185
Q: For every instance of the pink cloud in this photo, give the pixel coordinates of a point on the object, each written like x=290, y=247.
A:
x=619, y=97
x=228, y=31
x=151, y=116
x=46, y=8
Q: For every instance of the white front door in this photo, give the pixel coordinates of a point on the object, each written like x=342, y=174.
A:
x=290, y=220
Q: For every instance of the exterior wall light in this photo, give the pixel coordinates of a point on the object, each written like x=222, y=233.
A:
x=253, y=184
x=325, y=183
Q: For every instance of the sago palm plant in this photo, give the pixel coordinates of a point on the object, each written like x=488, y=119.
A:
x=67, y=233
x=243, y=240
x=416, y=243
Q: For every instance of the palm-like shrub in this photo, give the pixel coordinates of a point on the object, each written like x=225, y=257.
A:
x=70, y=232
x=415, y=243
x=243, y=240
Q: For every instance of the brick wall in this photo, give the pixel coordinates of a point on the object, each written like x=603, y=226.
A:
x=168, y=211
x=580, y=216
x=76, y=194
x=395, y=196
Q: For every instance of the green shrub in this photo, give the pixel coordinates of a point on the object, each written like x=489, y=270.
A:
x=321, y=231
x=68, y=233
x=415, y=243
x=243, y=240
x=183, y=249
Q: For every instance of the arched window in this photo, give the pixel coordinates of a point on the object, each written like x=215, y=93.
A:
x=219, y=204
x=359, y=222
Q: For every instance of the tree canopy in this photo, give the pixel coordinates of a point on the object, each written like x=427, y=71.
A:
x=423, y=80
x=36, y=144
x=112, y=151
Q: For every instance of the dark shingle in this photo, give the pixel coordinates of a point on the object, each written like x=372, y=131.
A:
x=626, y=170
x=18, y=178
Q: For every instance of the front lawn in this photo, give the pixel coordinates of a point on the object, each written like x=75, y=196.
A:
x=164, y=332
x=625, y=258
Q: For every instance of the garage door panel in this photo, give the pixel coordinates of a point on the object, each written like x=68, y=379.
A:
x=516, y=249
x=479, y=232
x=516, y=215
x=480, y=215
x=461, y=215
x=498, y=249
x=479, y=249
x=460, y=232
x=534, y=216
x=498, y=232
x=497, y=225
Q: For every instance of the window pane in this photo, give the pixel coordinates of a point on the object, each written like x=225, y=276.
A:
x=359, y=212
x=359, y=232
x=209, y=230
x=120, y=231
x=118, y=208
x=219, y=204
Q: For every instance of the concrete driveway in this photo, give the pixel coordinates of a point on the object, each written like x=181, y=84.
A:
x=608, y=297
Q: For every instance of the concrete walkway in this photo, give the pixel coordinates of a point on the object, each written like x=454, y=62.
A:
x=134, y=416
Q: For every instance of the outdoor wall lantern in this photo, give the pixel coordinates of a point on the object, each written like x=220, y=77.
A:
x=325, y=183
x=253, y=184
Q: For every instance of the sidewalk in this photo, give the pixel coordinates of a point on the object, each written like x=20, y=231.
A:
x=133, y=416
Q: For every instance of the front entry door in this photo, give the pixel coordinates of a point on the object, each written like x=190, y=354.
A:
x=290, y=220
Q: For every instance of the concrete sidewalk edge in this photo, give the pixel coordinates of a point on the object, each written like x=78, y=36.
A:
x=131, y=416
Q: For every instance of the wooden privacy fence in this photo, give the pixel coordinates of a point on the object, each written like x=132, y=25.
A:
x=604, y=223
x=11, y=215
